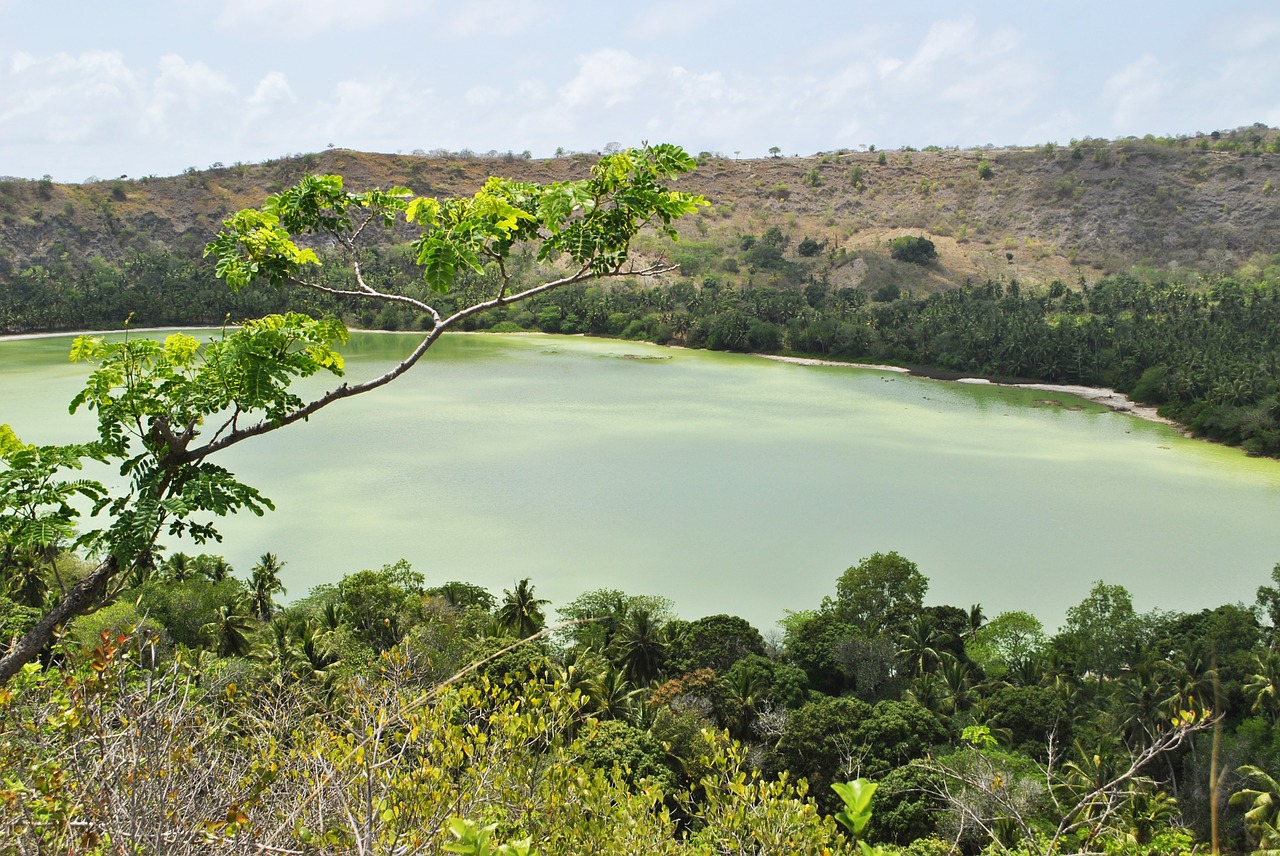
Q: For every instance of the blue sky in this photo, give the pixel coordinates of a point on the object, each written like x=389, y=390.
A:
x=139, y=87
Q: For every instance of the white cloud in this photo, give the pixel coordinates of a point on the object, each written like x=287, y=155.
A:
x=482, y=96
x=64, y=98
x=182, y=91
x=496, y=17
x=301, y=19
x=605, y=78
x=1133, y=92
x=677, y=17
x=272, y=90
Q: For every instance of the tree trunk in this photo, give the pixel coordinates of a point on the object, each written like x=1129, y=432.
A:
x=82, y=595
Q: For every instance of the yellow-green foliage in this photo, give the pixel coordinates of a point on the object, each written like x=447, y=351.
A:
x=115, y=758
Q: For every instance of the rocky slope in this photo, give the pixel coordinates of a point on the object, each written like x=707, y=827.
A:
x=1185, y=208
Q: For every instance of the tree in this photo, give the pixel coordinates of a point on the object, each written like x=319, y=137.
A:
x=808, y=247
x=1099, y=631
x=521, y=612
x=641, y=646
x=264, y=585
x=37, y=515
x=913, y=248
x=774, y=151
x=882, y=592
x=1006, y=641
x=1262, y=808
x=712, y=642
x=380, y=605
x=599, y=615
x=463, y=595
x=165, y=409
x=1268, y=604
x=231, y=631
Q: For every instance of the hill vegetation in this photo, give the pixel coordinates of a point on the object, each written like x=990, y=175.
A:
x=1184, y=207
x=189, y=712
x=1145, y=265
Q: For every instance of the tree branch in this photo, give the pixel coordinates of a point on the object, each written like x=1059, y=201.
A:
x=81, y=596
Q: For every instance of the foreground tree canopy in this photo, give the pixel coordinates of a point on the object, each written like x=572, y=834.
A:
x=166, y=408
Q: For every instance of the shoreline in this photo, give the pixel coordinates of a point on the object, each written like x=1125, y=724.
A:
x=18, y=337
x=1109, y=398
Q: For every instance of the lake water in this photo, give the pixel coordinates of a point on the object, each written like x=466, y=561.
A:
x=728, y=483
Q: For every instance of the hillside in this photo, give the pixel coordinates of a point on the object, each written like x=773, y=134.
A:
x=1182, y=207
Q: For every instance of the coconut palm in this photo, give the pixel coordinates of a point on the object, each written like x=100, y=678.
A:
x=215, y=568
x=977, y=620
x=641, y=646
x=521, y=612
x=928, y=691
x=264, y=585
x=957, y=683
x=179, y=567
x=1262, y=809
x=1142, y=699
x=22, y=572
x=1264, y=685
x=1192, y=677
x=611, y=695
x=230, y=631
x=918, y=644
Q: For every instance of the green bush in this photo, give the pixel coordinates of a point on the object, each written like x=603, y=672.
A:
x=914, y=249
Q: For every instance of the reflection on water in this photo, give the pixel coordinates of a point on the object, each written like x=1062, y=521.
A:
x=729, y=483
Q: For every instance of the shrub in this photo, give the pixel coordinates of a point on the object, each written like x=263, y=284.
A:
x=914, y=249
x=808, y=247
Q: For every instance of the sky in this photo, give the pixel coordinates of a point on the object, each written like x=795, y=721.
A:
x=92, y=89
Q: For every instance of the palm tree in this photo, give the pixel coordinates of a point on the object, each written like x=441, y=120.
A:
x=976, y=621
x=179, y=567
x=612, y=695
x=641, y=646
x=578, y=669
x=928, y=691
x=521, y=612
x=1263, y=808
x=332, y=615
x=919, y=643
x=1142, y=697
x=315, y=656
x=23, y=572
x=1192, y=677
x=213, y=567
x=264, y=585
x=230, y=631
x=956, y=684
x=1264, y=685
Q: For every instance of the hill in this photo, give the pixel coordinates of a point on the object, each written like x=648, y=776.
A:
x=1182, y=208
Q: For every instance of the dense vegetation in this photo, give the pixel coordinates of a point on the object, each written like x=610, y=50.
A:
x=188, y=711
x=1207, y=355
x=195, y=713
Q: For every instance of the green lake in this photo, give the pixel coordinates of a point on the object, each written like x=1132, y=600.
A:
x=728, y=483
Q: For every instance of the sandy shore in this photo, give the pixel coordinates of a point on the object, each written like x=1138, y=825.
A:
x=1116, y=401
x=14, y=337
